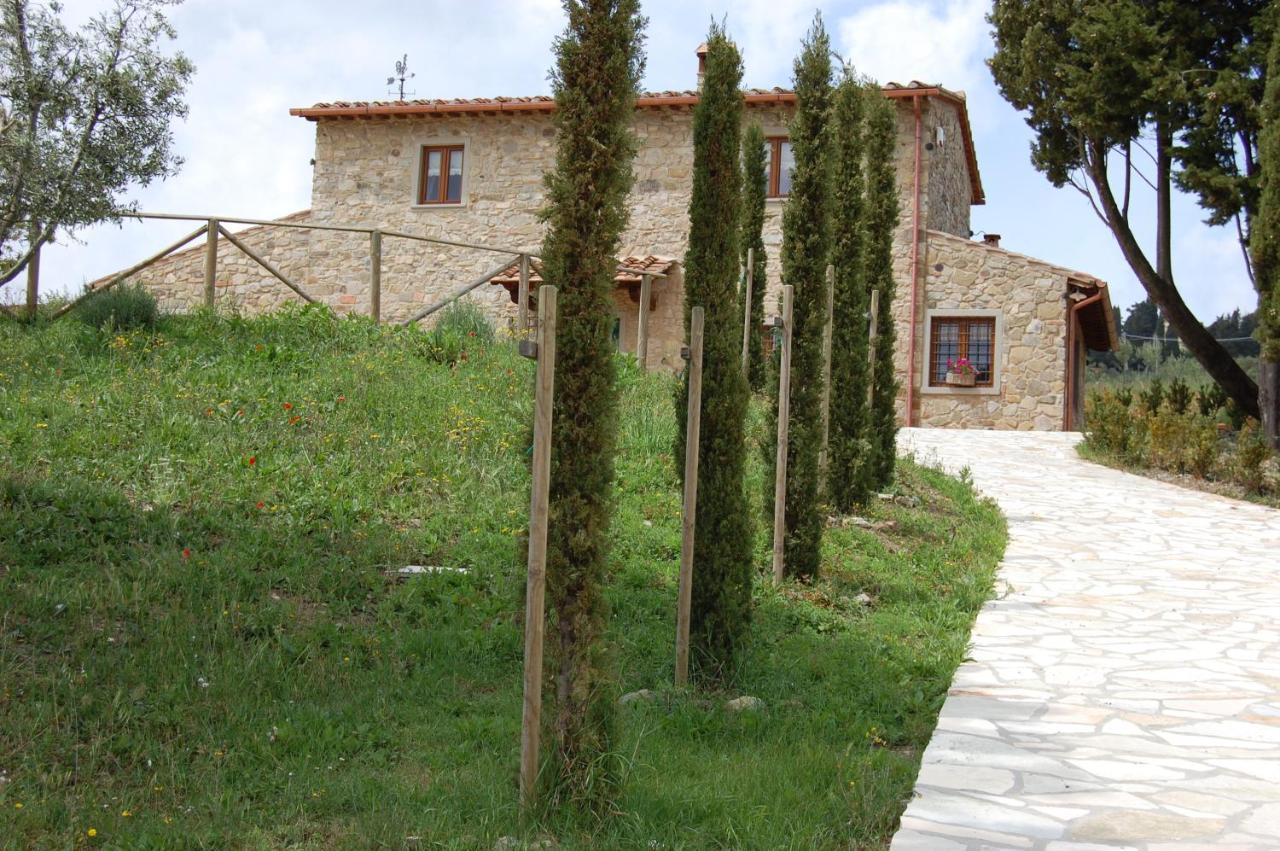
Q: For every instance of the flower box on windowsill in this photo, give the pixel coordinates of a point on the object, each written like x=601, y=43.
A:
x=961, y=379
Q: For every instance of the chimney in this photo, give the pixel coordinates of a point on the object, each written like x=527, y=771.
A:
x=702, y=63
x=992, y=239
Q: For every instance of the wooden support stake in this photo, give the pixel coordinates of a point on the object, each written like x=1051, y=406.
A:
x=693, y=435
x=642, y=325
x=210, y=262
x=252, y=255
x=375, y=275
x=128, y=273
x=746, y=312
x=522, y=322
x=33, y=283
x=871, y=343
x=823, y=454
x=784, y=419
x=536, y=580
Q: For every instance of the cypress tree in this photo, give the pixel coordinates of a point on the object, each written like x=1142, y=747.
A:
x=1264, y=245
x=881, y=219
x=599, y=62
x=721, y=605
x=805, y=253
x=754, y=159
x=847, y=479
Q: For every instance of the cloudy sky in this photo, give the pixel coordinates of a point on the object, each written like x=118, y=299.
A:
x=245, y=157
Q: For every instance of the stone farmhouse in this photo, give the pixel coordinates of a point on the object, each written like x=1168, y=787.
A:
x=471, y=171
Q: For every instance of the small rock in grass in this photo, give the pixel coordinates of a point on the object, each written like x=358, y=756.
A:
x=863, y=599
x=746, y=703
x=644, y=695
x=422, y=569
x=885, y=495
x=908, y=500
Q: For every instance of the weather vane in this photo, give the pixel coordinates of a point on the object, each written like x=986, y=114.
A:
x=402, y=74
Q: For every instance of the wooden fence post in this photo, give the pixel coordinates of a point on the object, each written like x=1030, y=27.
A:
x=871, y=343
x=746, y=312
x=642, y=324
x=536, y=579
x=522, y=294
x=823, y=455
x=210, y=262
x=33, y=283
x=693, y=435
x=784, y=419
x=375, y=275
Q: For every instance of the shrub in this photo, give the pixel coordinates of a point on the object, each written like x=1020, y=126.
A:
x=1181, y=442
x=466, y=320
x=1125, y=395
x=1179, y=396
x=1107, y=421
x=1152, y=396
x=1210, y=399
x=121, y=308
x=1246, y=464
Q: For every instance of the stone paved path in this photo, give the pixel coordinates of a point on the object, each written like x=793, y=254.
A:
x=1124, y=686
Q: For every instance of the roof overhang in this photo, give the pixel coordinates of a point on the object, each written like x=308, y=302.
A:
x=1091, y=301
x=648, y=100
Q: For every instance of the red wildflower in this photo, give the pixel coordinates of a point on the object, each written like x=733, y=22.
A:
x=294, y=419
x=342, y=398
x=253, y=459
x=186, y=552
x=261, y=505
x=208, y=412
x=288, y=406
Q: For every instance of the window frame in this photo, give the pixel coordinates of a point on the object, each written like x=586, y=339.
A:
x=447, y=150
x=934, y=318
x=774, y=181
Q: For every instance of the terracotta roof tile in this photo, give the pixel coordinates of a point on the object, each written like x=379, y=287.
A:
x=630, y=270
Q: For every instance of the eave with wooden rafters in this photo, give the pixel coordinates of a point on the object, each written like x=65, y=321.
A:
x=648, y=100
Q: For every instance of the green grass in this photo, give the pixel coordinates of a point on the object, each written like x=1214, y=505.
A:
x=199, y=645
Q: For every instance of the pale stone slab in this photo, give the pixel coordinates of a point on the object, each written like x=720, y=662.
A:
x=1121, y=687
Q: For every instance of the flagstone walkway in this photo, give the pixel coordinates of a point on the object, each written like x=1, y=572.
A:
x=1123, y=688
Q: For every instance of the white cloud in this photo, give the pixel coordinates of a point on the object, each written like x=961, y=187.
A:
x=901, y=41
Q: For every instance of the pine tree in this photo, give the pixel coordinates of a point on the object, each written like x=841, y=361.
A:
x=599, y=62
x=881, y=220
x=805, y=253
x=847, y=479
x=754, y=160
x=721, y=605
x=1264, y=239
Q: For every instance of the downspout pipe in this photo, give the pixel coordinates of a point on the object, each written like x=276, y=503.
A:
x=914, y=274
x=1073, y=321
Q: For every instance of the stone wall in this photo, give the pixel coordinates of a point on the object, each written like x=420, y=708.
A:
x=950, y=192
x=1030, y=298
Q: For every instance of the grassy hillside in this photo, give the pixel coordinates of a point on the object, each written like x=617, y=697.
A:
x=200, y=645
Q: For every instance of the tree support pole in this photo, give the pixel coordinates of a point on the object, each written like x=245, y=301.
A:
x=536, y=579
x=784, y=420
x=871, y=344
x=693, y=436
x=746, y=312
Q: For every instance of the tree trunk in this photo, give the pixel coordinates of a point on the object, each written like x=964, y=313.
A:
x=33, y=283
x=1211, y=354
x=1269, y=399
